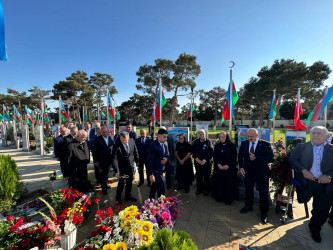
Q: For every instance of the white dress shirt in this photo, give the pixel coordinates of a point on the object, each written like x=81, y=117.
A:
x=106, y=139
x=255, y=145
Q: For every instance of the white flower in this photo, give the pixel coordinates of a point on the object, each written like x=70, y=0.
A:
x=69, y=227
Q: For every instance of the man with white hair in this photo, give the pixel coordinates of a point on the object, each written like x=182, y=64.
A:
x=78, y=159
x=253, y=158
x=313, y=163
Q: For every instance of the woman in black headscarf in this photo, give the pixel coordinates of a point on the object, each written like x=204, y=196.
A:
x=225, y=171
x=184, y=172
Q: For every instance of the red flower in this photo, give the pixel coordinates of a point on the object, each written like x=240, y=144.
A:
x=80, y=219
x=10, y=217
x=13, y=248
x=109, y=212
x=94, y=233
x=100, y=194
x=43, y=239
x=25, y=206
x=110, y=181
x=98, y=221
x=25, y=242
x=39, y=230
x=97, y=200
x=13, y=228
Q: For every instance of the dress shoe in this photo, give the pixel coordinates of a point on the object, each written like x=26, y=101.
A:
x=315, y=236
x=130, y=199
x=245, y=209
x=264, y=218
x=198, y=192
x=140, y=184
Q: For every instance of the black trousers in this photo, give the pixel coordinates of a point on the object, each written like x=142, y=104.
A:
x=103, y=177
x=167, y=174
x=320, y=206
x=128, y=188
x=330, y=216
x=157, y=186
x=141, y=173
x=203, y=176
x=263, y=188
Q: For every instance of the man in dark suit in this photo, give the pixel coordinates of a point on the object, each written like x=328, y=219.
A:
x=102, y=155
x=116, y=134
x=78, y=159
x=330, y=216
x=313, y=161
x=142, y=144
x=63, y=152
x=132, y=134
x=57, y=142
x=93, y=134
x=125, y=155
x=253, y=157
x=157, y=158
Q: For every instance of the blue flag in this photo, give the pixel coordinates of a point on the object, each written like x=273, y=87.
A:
x=3, y=53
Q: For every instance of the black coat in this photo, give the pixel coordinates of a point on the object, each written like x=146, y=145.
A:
x=63, y=154
x=263, y=154
x=57, y=145
x=155, y=155
x=225, y=155
x=143, y=148
x=123, y=163
x=102, y=153
x=202, y=150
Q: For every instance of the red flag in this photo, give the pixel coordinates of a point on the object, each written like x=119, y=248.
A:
x=298, y=124
x=157, y=112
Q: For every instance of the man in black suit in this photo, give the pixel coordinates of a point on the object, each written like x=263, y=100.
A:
x=157, y=158
x=63, y=152
x=78, y=159
x=93, y=134
x=125, y=155
x=102, y=155
x=142, y=144
x=57, y=142
x=132, y=134
x=313, y=163
x=116, y=134
x=253, y=157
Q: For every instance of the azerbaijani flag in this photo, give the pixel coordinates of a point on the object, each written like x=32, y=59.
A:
x=190, y=110
x=85, y=115
x=3, y=52
x=153, y=118
x=272, y=113
x=159, y=105
x=117, y=114
x=17, y=115
x=1, y=118
x=112, y=115
x=28, y=117
x=64, y=116
x=6, y=114
x=34, y=117
x=103, y=117
x=46, y=114
x=315, y=113
x=328, y=98
x=226, y=109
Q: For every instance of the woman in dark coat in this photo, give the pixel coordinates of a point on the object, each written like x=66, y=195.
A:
x=225, y=171
x=184, y=172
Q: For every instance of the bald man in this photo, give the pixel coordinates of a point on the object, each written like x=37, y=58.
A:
x=78, y=159
x=253, y=157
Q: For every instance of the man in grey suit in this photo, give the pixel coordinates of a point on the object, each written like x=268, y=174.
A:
x=313, y=163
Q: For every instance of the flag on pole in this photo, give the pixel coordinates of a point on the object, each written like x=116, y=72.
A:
x=226, y=109
x=64, y=116
x=272, y=113
x=159, y=105
x=153, y=117
x=85, y=115
x=6, y=114
x=1, y=118
x=298, y=124
x=328, y=98
x=190, y=110
x=28, y=117
x=117, y=114
x=46, y=114
x=3, y=52
x=112, y=115
x=34, y=116
x=315, y=113
x=17, y=115
x=103, y=117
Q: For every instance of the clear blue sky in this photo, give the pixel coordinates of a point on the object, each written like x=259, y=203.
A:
x=48, y=40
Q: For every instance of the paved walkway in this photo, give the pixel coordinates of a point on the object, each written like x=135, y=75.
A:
x=212, y=225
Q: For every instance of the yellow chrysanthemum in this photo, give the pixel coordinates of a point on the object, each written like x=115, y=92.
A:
x=121, y=246
x=146, y=238
x=146, y=226
x=131, y=210
x=109, y=247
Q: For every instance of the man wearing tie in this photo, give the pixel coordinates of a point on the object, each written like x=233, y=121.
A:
x=132, y=134
x=253, y=157
x=157, y=157
x=57, y=142
x=142, y=143
x=124, y=156
x=93, y=134
x=102, y=155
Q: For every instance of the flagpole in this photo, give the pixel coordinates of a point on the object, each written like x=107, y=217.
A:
x=107, y=107
x=298, y=105
x=115, y=118
x=230, y=104
x=83, y=115
x=274, y=117
x=160, y=104
x=192, y=114
x=14, y=124
x=325, y=111
x=42, y=131
x=59, y=113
